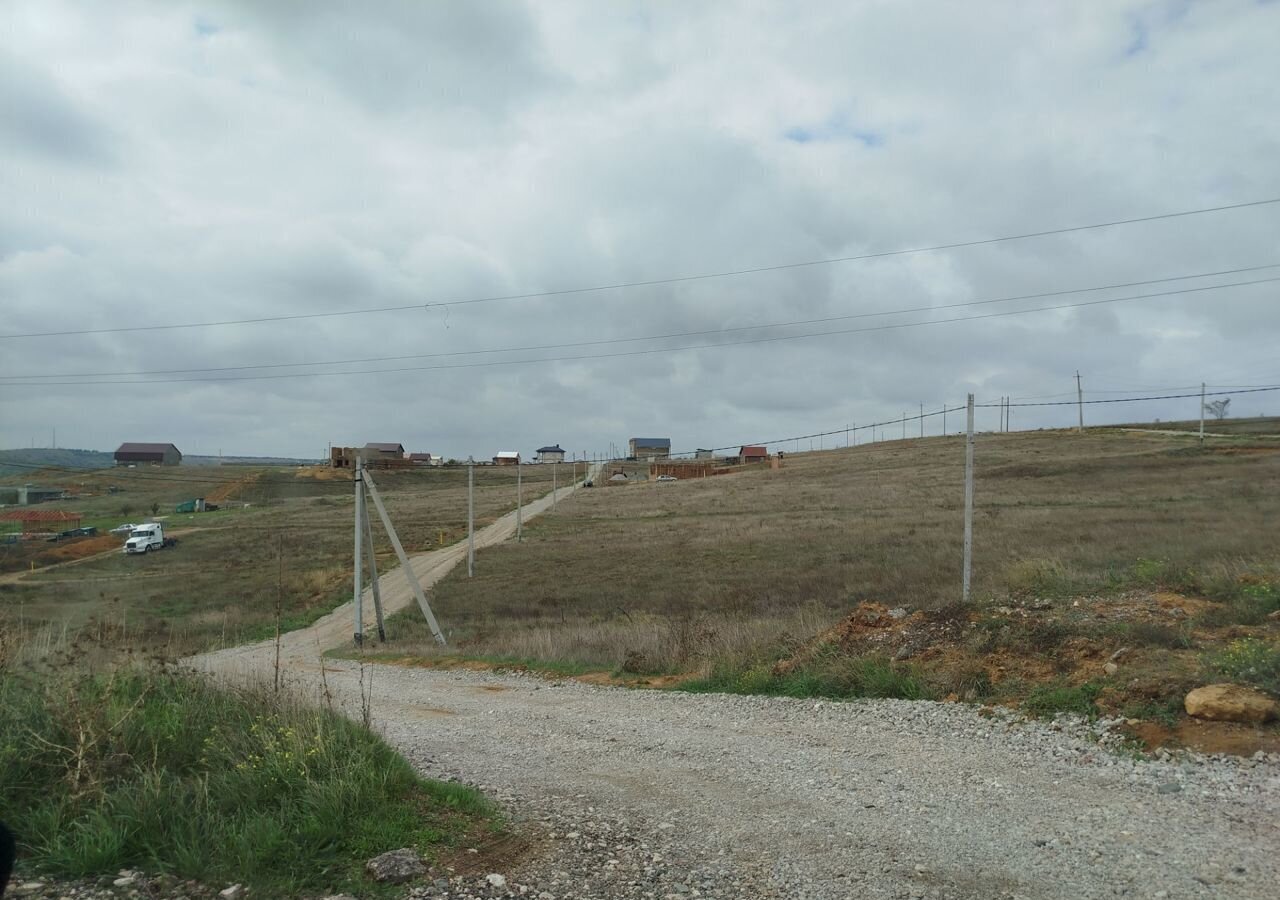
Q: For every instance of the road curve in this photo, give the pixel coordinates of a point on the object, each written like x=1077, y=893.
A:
x=650, y=794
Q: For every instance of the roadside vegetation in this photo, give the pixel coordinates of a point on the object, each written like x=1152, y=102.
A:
x=163, y=772
x=1141, y=545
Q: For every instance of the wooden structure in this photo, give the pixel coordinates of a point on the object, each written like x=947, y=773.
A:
x=31, y=521
x=506, y=458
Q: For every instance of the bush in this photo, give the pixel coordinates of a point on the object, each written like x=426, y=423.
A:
x=167, y=773
x=831, y=677
x=1250, y=661
x=1047, y=700
x=1249, y=604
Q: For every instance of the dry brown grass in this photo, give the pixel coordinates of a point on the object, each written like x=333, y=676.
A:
x=753, y=559
x=219, y=586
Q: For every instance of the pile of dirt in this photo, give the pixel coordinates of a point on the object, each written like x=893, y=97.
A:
x=1137, y=654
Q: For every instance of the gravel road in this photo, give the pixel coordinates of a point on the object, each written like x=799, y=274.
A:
x=650, y=794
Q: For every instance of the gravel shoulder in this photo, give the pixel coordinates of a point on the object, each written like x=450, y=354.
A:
x=651, y=794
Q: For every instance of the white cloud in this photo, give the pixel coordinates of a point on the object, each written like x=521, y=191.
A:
x=206, y=162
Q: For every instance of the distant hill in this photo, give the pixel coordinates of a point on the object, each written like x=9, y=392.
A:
x=15, y=462
x=247, y=461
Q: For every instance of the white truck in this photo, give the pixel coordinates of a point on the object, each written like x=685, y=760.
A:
x=145, y=538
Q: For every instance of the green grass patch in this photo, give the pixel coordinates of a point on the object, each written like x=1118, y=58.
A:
x=1250, y=661
x=1047, y=700
x=832, y=677
x=1167, y=711
x=169, y=774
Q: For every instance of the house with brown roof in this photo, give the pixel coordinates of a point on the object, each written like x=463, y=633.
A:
x=131, y=454
x=753, y=454
x=383, y=451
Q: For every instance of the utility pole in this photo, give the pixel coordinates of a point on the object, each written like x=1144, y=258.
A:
x=904, y=426
x=373, y=575
x=471, y=516
x=519, y=504
x=1008, y=410
x=968, y=502
x=357, y=589
x=1080, y=401
x=553, y=484
x=1202, y=414
x=409, y=575
x=944, y=420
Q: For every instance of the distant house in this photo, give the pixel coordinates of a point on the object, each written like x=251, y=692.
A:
x=506, y=458
x=148, y=454
x=750, y=454
x=649, y=448
x=420, y=459
x=383, y=451
x=550, y=454
x=704, y=454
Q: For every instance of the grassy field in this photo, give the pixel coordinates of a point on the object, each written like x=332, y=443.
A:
x=283, y=533
x=734, y=572
x=169, y=774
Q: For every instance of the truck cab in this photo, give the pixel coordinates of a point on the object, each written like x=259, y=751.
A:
x=145, y=538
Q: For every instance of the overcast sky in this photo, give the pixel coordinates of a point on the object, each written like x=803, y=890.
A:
x=170, y=163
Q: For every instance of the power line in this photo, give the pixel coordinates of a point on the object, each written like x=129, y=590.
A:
x=1256, y=390
x=37, y=379
x=947, y=410
x=652, y=282
x=658, y=350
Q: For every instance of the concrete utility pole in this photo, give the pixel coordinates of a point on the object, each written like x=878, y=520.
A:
x=471, y=517
x=1080, y=401
x=944, y=420
x=357, y=589
x=409, y=575
x=968, y=502
x=373, y=575
x=519, y=504
x=553, y=484
x=1202, y=414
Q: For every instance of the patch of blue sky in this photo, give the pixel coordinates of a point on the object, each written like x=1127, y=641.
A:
x=836, y=128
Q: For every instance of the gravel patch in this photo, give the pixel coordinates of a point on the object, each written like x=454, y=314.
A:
x=652, y=794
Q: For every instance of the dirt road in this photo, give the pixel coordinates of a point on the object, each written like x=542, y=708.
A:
x=650, y=794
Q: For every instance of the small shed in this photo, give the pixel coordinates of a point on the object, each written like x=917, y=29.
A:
x=148, y=454
x=753, y=454
x=506, y=458
x=551, y=453
x=420, y=459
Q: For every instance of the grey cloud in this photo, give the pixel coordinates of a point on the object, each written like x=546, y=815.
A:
x=412, y=58
x=39, y=119
x=273, y=159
